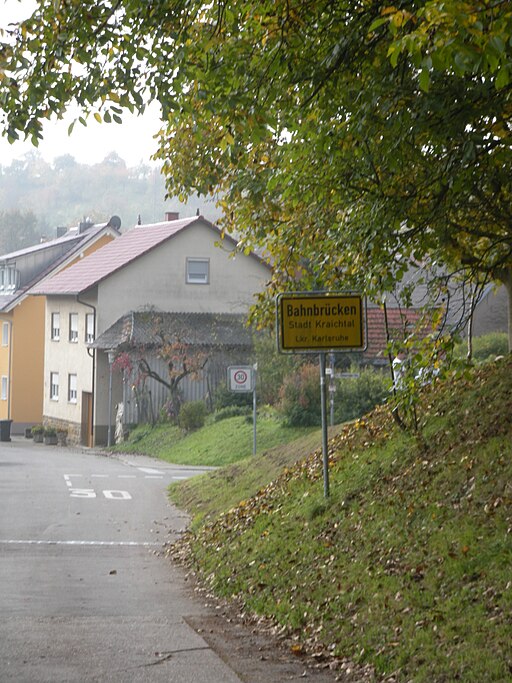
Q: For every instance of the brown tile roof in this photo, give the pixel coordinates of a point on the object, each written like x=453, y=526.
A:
x=140, y=329
x=114, y=256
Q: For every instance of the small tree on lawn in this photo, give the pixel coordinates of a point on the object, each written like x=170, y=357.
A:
x=181, y=357
x=182, y=360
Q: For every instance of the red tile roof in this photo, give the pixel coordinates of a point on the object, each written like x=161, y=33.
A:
x=113, y=256
x=400, y=322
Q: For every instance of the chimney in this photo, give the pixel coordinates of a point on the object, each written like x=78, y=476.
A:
x=84, y=225
x=172, y=215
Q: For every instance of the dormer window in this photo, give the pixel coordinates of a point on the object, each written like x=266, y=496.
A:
x=198, y=271
x=9, y=280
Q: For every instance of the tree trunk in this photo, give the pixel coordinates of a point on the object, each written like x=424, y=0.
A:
x=506, y=278
x=469, y=354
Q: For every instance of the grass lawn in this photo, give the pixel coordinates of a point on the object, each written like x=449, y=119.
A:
x=215, y=444
x=210, y=495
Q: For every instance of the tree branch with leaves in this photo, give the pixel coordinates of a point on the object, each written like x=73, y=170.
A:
x=354, y=137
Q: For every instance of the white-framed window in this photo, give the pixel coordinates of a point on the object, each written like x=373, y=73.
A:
x=89, y=327
x=5, y=334
x=198, y=271
x=73, y=327
x=72, y=388
x=54, y=386
x=55, y=331
x=9, y=279
x=5, y=388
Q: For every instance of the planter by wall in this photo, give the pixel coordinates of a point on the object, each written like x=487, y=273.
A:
x=50, y=440
x=38, y=438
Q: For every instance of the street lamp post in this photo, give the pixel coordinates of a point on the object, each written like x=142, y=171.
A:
x=111, y=357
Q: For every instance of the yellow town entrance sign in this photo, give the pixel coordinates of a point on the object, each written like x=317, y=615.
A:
x=321, y=322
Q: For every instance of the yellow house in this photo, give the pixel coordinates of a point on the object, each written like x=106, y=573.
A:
x=22, y=316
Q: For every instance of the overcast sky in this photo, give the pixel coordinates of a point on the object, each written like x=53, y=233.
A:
x=132, y=140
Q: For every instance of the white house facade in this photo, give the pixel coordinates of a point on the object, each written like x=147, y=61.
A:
x=68, y=368
x=179, y=266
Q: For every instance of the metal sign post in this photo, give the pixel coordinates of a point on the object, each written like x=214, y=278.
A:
x=242, y=378
x=332, y=386
x=254, y=410
x=323, y=404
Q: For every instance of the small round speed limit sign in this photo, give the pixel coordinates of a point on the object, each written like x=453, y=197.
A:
x=240, y=378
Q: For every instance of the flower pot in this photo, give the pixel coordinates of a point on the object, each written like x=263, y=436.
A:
x=50, y=440
x=28, y=433
x=38, y=438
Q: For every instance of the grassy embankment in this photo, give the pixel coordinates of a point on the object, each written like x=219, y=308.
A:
x=216, y=444
x=406, y=568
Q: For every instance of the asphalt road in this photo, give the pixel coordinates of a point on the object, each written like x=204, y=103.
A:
x=84, y=593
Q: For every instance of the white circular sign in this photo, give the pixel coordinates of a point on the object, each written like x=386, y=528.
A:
x=240, y=377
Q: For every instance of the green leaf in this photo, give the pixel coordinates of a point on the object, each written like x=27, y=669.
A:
x=425, y=80
x=393, y=54
x=498, y=44
x=502, y=78
x=378, y=22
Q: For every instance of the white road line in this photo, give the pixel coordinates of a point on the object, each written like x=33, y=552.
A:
x=69, y=476
x=149, y=470
x=130, y=544
x=179, y=478
x=99, y=476
x=127, y=476
x=152, y=476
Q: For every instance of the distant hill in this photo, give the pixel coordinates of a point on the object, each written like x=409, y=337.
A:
x=64, y=192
